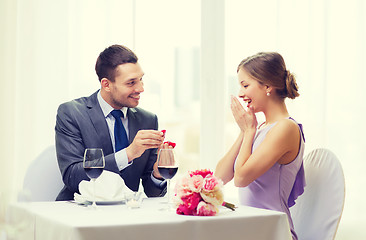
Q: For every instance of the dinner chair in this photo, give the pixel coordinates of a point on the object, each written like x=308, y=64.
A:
x=318, y=210
x=43, y=181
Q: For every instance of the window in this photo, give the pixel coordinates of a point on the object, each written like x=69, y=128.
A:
x=167, y=42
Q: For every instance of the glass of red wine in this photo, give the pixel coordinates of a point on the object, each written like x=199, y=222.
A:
x=167, y=166
x=93, y=165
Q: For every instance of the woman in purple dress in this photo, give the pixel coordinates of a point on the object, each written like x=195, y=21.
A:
x=265, y=161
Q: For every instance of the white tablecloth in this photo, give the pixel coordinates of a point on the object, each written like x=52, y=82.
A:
x=68, y=221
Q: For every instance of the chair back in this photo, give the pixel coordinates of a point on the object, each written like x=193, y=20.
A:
x=318, y=210
x=43, y=181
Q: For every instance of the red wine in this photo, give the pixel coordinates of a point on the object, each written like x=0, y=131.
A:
x=93, y=172
x=167, y=172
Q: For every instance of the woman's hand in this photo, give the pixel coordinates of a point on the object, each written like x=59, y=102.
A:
x=245, y=119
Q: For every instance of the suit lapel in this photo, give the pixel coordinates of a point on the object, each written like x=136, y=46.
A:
x=133, y=124
x=97, y=118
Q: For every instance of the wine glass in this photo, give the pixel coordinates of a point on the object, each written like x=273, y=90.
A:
x=167, y=166
x=93, y=165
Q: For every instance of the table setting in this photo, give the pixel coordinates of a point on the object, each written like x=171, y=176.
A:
x=114, y=218
x=106, y=208
x=65, y=220
x=109, y=189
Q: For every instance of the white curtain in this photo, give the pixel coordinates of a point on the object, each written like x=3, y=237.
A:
x=48, y=53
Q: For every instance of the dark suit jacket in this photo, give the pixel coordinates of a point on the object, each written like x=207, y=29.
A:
x=81, y=124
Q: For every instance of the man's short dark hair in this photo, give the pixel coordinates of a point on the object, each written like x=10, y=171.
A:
x=110, y=58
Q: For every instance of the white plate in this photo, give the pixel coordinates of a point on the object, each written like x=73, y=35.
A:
x=110, y=202
x=116, y=202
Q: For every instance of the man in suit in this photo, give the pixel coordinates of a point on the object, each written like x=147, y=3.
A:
x=88, y=122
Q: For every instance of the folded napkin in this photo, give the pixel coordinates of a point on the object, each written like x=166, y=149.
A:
x=109, y=186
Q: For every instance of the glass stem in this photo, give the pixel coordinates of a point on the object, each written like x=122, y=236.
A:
x=168, y=190
x=94, y=200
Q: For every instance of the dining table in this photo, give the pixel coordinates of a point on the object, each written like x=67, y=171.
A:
x=67, y=220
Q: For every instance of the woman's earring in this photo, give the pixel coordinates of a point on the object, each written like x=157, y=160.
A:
x=268, y=94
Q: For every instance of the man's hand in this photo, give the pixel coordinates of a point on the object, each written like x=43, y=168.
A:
x=165, y=145
x=144, y=139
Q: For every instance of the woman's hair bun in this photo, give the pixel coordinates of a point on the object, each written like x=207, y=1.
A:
x=291, y=86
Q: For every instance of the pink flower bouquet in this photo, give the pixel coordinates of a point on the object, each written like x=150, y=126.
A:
x=199, y=193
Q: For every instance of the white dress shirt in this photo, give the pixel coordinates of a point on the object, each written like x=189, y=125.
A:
x=121, y=155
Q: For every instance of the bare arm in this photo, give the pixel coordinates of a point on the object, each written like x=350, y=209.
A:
x=247, y=122
x=225, y=167
x=280, y=145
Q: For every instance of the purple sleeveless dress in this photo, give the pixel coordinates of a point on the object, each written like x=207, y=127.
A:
x=278, y=188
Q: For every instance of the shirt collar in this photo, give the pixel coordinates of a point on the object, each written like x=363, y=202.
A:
x=106, y=108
